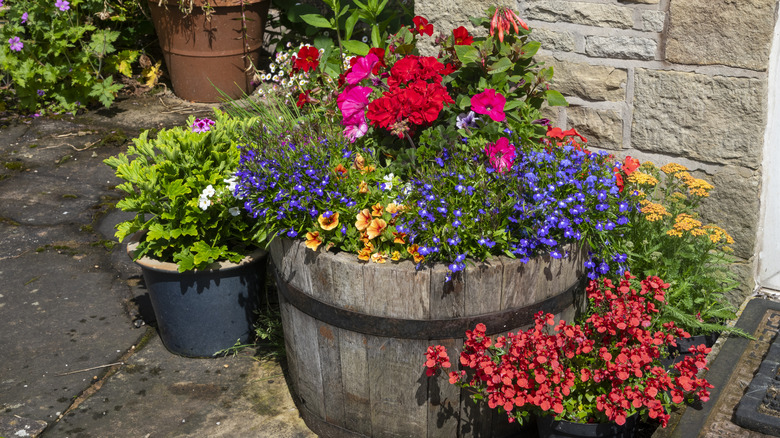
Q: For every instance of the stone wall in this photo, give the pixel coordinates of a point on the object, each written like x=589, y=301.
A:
x=663, y=80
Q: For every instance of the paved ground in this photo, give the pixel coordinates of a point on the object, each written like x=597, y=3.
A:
x=71, y=357
x=75, y=360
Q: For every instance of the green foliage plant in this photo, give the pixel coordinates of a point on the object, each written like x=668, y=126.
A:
x=67, y=54
x=180, y=184
x=668, y=239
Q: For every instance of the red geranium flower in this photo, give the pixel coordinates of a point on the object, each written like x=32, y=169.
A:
x=303, y=99
x=380, y=54
x=421, y=26
x=462, y=37
x=308, y=58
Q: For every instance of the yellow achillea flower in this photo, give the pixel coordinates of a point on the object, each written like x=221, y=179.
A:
x=718, y=234
x=685, y=222
x=677, y=197
x=673, y=168
x=698, y=187
x=653, y=211
x=674, y=233
x=642, y=179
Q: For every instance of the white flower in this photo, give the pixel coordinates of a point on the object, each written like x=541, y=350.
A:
x=407, y=189
x=365, y=39
x=204, y=202
x=208, y=191
x=272, y=67
x=233, y=211
x=231, y=182
x=389, y=184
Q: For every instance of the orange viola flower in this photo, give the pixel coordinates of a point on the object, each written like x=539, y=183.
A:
x=376, y=227
x=367, y=169
x=378, y=257
x=376, y=210
x=329, y=222
x=359, y=162
x=399, y=238
x=340, y=171
x=393, y=208
x=363, y=219
x=363, y=187
x=313, y=240
x=415, y=254
x=364, y=254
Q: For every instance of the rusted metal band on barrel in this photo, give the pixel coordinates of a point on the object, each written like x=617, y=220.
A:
x=322, y=428
x=453, y=328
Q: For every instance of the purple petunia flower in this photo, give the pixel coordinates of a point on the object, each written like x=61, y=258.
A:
x=16, y=44
x=24, y=16
x=62, y=5
x=41, y=93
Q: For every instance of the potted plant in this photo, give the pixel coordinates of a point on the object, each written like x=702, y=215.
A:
x=589, y=379
x=200, y=255
x=211, y=47
x=409, y=195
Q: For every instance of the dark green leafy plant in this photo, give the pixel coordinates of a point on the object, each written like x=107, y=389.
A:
x=180, y=185
x=67, y=54
x=668, y=239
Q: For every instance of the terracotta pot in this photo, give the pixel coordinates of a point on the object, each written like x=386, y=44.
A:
x=205, y=53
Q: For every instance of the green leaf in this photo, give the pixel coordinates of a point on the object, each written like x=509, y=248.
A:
x=555, y=98
x=530, y=49
x=175, y=189
x=467, y=54
x=356, y=47
x=349, y=25
x=502, y=65
x=317, y=20
x=376, y=38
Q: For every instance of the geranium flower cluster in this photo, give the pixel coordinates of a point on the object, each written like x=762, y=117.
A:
x=605, y=369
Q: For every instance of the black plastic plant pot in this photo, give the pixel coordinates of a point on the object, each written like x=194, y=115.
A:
x=200, y=313
x=548, y=427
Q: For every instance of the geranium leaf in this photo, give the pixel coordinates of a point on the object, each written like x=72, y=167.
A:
x=555, y=98
x=317, y=20
x=356, y=47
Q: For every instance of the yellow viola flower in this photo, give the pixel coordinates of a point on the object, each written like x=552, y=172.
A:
x=364, y=254
x=313, y=240
x=359, y=162
x=376, y=210
x=395, y=256
x=399, y=238
x=328, y=222
x=379, y=257
x=413, y=251
x=363, y=219
x=363, y=187
x=375, y=228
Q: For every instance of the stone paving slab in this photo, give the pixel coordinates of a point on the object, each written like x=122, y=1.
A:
x=730, y=372
x=159, y=394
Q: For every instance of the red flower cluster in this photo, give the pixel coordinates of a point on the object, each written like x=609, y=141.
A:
x=415, y=96
x=605, y=370
x=629, y=166
x=308, y=58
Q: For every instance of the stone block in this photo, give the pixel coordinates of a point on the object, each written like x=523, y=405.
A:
x=653, y=21
x=589, y=82
x=623, y=47
x=588, y=14
x=728, y=32
x=645, y=2
x=713, y=119
x=602, y=128
x=553, y=40
x=734, y=205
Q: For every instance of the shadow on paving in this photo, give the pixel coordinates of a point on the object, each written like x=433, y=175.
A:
x=69, y=297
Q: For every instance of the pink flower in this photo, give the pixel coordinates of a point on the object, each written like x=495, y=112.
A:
x=501, y=154
x=491, y=103
x=352, y=102
x=353, y=132
x=201, y=125
x=362, y=68
x=62, y=5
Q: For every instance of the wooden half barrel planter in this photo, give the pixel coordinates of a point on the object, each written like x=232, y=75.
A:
x=356, y=335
